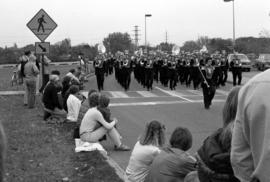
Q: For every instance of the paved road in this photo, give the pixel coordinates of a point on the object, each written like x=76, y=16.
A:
x=182, y=107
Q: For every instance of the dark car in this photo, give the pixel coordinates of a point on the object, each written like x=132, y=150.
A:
x=263, y=62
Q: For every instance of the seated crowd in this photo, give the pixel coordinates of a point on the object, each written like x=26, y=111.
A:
x=152, y=160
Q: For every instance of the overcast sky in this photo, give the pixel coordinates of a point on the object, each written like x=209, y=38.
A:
x=89, y=21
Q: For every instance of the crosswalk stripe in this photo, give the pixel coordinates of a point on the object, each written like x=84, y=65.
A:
x=159, y=103
x=196, y=92
x=117, y=94
x=174, y=93
x=222, y=92
x=146, y=94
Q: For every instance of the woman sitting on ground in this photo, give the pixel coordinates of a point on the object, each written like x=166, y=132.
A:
x=173, y=163
x=214, y=155
x=88, y=130
x=73, y=103
x=145, y=150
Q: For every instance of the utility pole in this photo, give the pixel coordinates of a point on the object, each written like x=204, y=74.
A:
x=136, y=35
x=166, y=38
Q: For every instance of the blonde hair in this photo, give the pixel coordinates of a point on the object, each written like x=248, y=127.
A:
x=153, y=134
x=229, y=114
x=230, y=106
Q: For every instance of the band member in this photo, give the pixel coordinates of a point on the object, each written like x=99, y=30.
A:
x=149, y=73
x=126, y=72
x=224, y=69
x=208, y=84
x=99, y=71
x=218, y=72
x=172, y=73
x=236, y=67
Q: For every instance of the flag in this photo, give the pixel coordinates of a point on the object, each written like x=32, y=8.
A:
x=228, y=0
x=148, y=15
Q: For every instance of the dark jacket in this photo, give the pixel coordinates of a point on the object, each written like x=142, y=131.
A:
x=171, y=165
x=214, y=161
x=50, y=97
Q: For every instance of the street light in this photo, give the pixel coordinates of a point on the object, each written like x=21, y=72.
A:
x=145, y=43
x=233, y=22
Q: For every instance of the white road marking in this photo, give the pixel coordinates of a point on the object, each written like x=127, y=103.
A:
x=146, y=94
x=223, y=92
x=196, y=92
x=11, y=92
x=117, y=94
x=174, y=93
x=159, y=103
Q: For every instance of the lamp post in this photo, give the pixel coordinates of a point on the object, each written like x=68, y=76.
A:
x=233, y=22
x=145, y=42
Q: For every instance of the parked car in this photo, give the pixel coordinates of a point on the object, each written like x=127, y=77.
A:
x=244, y=61
x=263, y=62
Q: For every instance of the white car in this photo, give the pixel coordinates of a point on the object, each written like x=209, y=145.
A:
x=244, y=61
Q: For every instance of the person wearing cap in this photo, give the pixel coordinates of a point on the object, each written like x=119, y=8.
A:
x=30, y=71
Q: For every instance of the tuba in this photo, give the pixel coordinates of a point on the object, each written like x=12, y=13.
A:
x=175, y=50
x=101, y=49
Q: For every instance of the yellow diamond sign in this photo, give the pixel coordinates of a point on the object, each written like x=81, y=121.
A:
x=42, y=25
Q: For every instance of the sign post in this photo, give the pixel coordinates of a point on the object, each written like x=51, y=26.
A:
x=42, y=25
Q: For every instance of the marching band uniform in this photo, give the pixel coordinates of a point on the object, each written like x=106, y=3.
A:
x=126, y=73
x=149, y=74
x=217, y=72
x=208, y=84
x=99, y=72
x=172, y=74
x=236, y=67
x=224, y=69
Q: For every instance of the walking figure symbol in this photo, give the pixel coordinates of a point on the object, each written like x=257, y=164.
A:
x=40, y=23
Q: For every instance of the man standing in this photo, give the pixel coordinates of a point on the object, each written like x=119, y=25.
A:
x=236, y=67
x=31, y=71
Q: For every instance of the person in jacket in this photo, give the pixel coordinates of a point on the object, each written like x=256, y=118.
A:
x=250, y=155
x=214, y=155
x=173, y=163
x=51, y=100
x=31, y=71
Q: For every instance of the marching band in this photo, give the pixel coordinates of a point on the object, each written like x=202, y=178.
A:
x=168, y=69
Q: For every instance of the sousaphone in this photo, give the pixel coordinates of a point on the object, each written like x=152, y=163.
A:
x=175, y=50
x=101, y=49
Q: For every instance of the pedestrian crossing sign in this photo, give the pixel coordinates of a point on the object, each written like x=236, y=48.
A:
x=42, y=25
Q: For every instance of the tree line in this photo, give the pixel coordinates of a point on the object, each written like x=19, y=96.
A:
x=117, y=41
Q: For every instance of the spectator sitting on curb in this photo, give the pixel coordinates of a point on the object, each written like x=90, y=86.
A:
x=214, y=155
x=51, y=101
x=144, y=151
x=88, y=133
x=73, y=103
x=173, y=163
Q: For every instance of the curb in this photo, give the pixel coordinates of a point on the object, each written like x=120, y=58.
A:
x=119, y=171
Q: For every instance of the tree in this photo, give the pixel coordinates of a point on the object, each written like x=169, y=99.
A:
x=165, y=47
x=220, y=44
x=203, y=41
x=264, y=34
x=190, y=46
x=117, y=42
